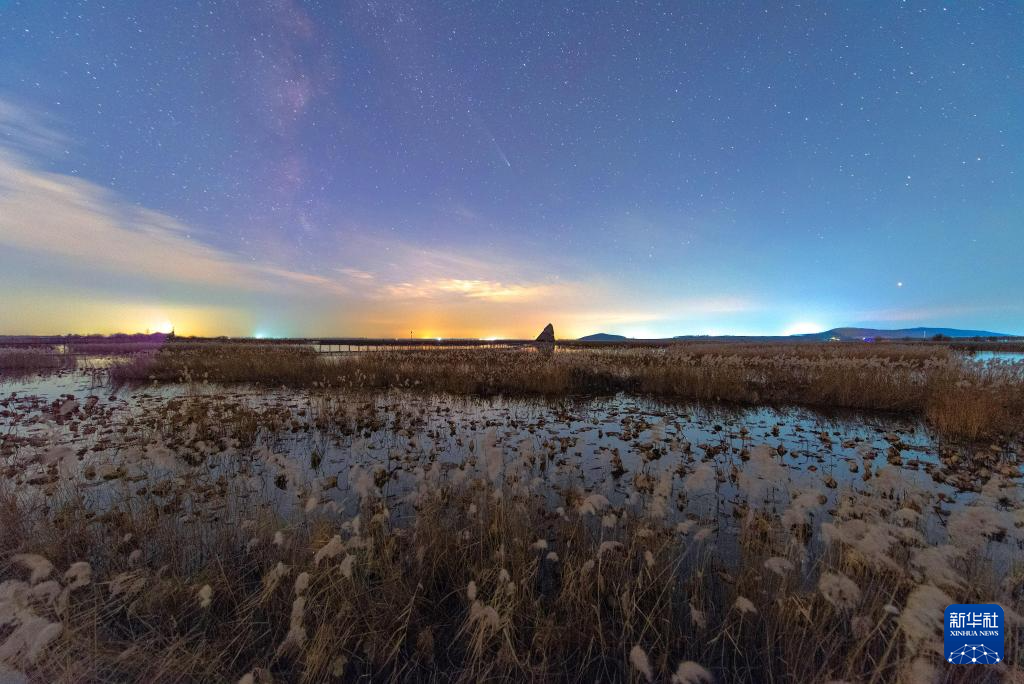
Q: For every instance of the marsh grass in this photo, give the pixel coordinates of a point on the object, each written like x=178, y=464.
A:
x=115, y=347
x=19, y=362
x=961, y=399
x=191, y=547
x=481, y=576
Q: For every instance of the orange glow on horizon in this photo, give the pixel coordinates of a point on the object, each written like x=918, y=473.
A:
x=58, y=315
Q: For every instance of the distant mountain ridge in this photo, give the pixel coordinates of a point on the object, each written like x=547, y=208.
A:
x=603, y=337
x=834, y=333
x=921, y=333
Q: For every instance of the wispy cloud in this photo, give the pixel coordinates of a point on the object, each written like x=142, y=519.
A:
x=407, y=271
x=355, y=273
x=75, y=220
x=474, y=289
x=24, y=132
x=76, y=223
x=380, y=286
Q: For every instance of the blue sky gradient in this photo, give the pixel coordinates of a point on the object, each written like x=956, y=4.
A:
x=454, y=168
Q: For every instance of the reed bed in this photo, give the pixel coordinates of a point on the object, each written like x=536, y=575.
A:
x=210, y=536
x=483, y=571
x=15, y=361
x=1015, y=345
x=961, y=399
x=113, y=347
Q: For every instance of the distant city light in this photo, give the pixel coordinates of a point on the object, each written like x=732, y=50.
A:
x=803, y=328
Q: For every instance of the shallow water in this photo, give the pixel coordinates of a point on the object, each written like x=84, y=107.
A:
x=998, y=356
x=613, y=446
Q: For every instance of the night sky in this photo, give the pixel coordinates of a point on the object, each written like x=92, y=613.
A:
x=479, y=169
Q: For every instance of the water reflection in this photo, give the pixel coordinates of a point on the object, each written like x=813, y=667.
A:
x=998, y=356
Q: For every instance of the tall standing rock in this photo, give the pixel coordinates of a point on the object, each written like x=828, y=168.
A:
x=546, y=341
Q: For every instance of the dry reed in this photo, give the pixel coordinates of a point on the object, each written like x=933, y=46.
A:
x=961, y=399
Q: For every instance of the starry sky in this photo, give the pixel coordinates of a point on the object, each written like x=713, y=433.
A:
x=305, y=168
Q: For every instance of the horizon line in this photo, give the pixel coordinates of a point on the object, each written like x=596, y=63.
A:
x=440, y=338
